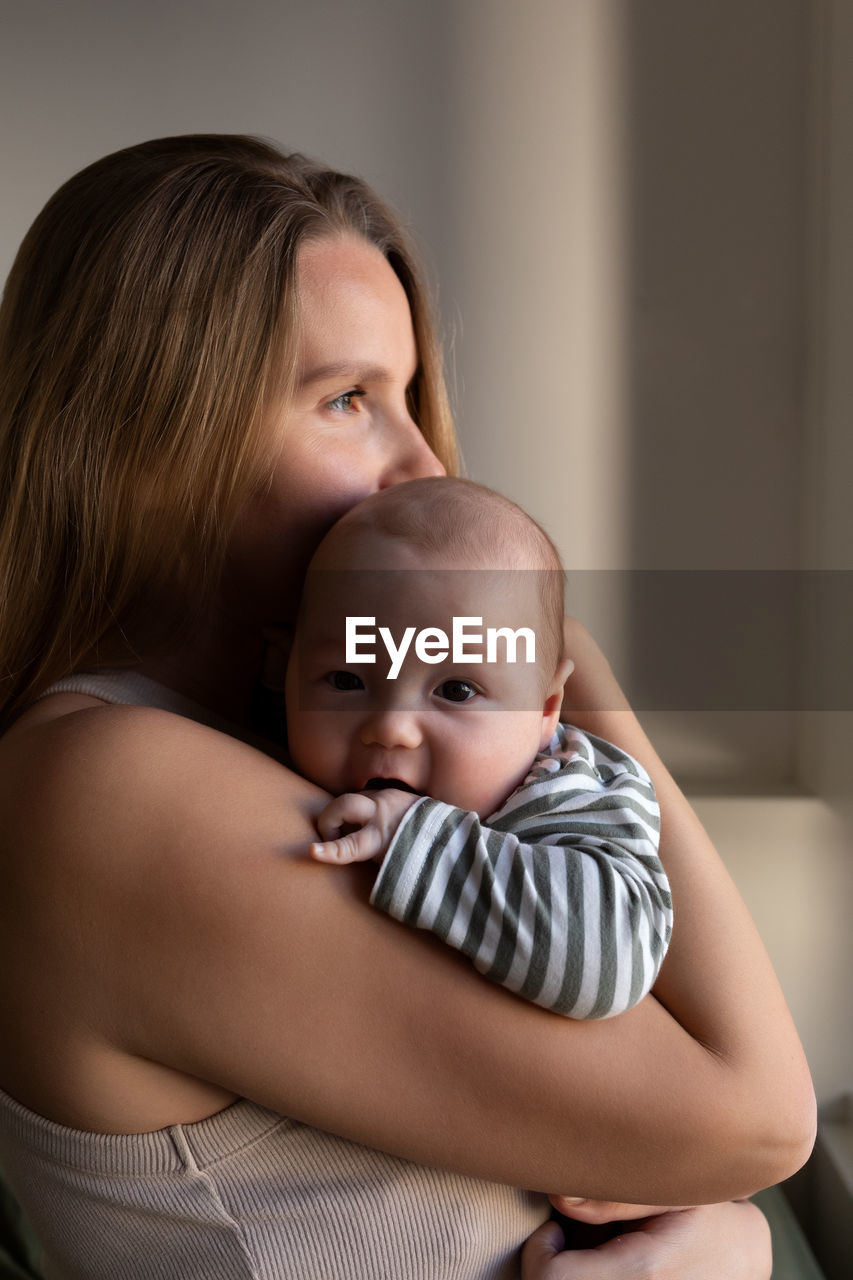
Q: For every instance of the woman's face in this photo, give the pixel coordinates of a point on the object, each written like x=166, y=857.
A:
x=347, y=431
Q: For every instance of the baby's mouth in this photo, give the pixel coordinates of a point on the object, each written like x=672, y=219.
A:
x=382, y=784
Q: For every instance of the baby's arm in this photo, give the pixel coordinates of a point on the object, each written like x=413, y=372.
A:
x=561, y=898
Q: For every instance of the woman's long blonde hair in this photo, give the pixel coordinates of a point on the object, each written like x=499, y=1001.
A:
x=146, y=324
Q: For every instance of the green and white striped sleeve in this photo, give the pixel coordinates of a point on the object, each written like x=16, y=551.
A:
x=560, y=895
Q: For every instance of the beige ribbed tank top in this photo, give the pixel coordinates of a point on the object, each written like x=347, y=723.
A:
x=247, y=1194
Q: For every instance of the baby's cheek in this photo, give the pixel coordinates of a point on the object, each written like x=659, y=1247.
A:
x=470, y=784
x=491, y=774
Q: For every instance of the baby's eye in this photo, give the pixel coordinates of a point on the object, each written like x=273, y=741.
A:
x=343, y=680
x=344, y=402
x=456, y=691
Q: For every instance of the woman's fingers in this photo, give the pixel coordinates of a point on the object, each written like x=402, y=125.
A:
x=541, y=1254
x=542, y=1259
x=598, y=1211
x=706, y=1243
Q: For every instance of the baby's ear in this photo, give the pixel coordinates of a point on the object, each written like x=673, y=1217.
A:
x=554, y=700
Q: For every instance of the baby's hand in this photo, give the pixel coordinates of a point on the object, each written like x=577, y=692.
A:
x=375, y=814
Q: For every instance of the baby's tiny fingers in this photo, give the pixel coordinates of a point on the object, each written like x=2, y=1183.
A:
x=351, y=808
x=356, y=846
x=330, y=851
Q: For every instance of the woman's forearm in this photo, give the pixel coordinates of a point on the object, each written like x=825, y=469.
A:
x=716, y=981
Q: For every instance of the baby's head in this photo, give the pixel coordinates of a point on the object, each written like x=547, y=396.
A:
x=425, y=606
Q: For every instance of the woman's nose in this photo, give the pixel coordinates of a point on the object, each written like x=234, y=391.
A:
x=413, y=458
x=391, y=729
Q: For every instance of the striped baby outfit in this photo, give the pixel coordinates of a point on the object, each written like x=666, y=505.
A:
x=559, y=895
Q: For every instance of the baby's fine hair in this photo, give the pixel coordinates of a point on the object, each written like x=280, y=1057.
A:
x=457, y=519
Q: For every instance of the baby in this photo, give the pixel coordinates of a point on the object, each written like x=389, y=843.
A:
x=529, y=846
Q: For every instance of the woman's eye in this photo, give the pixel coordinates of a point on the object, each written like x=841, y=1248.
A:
x=344, y=402
x=456, y=691
x=343, y=680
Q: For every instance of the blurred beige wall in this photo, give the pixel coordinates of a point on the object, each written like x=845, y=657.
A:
x=360, y=84
x=628, y=261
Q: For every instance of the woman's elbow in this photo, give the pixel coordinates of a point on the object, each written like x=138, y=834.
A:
x=770, y=1137
x=791, y=1132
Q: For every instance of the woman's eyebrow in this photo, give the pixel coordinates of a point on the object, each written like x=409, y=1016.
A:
x=340, y=369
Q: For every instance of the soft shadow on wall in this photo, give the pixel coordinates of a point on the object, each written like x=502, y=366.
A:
x=716, y=111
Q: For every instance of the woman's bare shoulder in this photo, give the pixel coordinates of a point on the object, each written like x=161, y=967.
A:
x=114, y=810
x=113, y=820
x=94, y=771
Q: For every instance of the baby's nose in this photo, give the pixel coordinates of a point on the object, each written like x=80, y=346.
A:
x=391, y=729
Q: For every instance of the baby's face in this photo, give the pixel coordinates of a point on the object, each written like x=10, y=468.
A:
x=461, y=731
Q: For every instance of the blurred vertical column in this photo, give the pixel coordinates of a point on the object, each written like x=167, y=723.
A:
x=826, y=756
x=535, y=273
x=825, y=738
x=718, y=163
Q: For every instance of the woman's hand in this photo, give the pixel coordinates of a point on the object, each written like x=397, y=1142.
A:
x=705, y=1243
x=595, y=1212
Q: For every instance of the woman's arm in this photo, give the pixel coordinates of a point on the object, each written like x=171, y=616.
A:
x=168, y=859
x=716, y=979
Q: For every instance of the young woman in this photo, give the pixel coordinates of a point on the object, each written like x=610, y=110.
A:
x=216, y=1058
